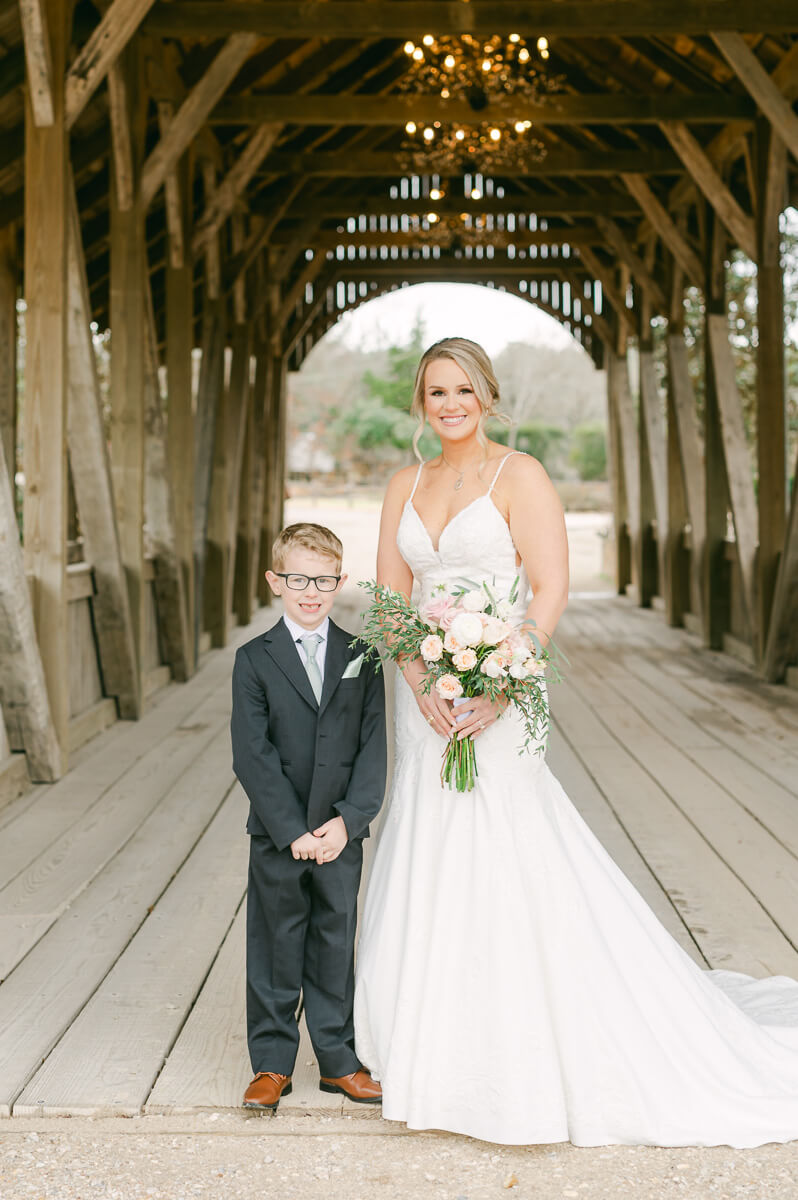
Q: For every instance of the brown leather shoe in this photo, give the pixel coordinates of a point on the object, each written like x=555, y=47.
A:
x=266, y=1090
x=359, y=1086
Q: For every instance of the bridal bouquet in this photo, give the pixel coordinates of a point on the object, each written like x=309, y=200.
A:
x=469, y=648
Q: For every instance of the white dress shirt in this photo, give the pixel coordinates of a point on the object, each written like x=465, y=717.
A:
x=298, y=633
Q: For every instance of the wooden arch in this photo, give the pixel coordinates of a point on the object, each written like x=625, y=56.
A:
x=195, y=176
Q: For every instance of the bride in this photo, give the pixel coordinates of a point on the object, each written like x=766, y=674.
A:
x=511, y=983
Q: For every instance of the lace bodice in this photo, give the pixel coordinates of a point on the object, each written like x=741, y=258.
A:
x=475, y=545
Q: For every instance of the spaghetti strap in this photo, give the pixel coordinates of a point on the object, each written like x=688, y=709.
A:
x=498, y=470
x=415, y=482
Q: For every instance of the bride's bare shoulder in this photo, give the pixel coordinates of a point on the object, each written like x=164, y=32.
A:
x=400, y=485
x=525, y=476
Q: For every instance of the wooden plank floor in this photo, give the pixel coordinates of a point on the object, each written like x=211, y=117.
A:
x=122, y=886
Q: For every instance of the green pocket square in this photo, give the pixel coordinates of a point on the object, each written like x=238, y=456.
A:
x=353, y=668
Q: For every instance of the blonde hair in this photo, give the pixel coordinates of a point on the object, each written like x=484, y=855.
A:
x=472, y=359
x=317, y=538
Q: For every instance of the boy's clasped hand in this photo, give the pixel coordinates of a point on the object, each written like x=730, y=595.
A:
x=324, y=844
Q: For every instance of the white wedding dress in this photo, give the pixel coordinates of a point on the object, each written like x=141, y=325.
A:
x=511, y=983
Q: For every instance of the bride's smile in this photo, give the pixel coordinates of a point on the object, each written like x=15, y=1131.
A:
x=452, y=408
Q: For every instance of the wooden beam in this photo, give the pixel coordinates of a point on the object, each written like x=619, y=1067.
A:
x=8, y=346
x=45, y=410
x=665, y=226
x=737, y=456
x=253, y=531
x=371, y=18
x=294, y=294
x=685, y=433
x=128, y=265
x=23, y=689
x=174, y=634
x=239, y=409
x=211, y=381
x=782, y=642
x=571, y=235
x=640, y=272
x=528, y=205
x=180, y=426
x=260, y=234
x=97, y=55
x=628, y=446
x=760, y=86
x=223, y=200
x=557, y=162
x=173, y=203
x=771, y=381
x=558, y=108
x=91, y=479
x=194, y=111
x=33, y=15
x=709, y=181
x=603, y=274
x=651, y=419
x=121, y=149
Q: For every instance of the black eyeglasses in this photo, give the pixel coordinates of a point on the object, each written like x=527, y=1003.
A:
x=298, y=583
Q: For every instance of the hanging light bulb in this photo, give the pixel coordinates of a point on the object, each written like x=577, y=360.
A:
x=476, y=194
x=445, y=93
x=429, y=134
x=543, y=43
x=410, y=127
x=544, y=54
x=418, y=54
x=409, y=47
x=449, y=62
x=523, y=54
x=432, y=217
x=519, y=126
x=428, y=39
x=436, y=194
x=495, y=134
x=486, y=65
x=459, y=134
x=515, y=37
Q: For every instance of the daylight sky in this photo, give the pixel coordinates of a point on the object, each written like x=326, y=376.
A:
x=489, y=317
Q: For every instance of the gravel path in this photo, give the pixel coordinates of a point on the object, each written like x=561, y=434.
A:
x=231, y=1156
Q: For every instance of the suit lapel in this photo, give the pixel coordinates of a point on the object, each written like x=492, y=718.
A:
x=280, y=646
x=335, y=661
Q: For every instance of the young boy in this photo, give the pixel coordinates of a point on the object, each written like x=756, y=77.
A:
x=308, y=733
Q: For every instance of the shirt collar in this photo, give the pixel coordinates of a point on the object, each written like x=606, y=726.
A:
x=297, y=632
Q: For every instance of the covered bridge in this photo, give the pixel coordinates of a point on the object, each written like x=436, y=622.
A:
x=215, y=183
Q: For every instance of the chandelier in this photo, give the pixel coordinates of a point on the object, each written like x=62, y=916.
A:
x=477, y=71
x=451, y=231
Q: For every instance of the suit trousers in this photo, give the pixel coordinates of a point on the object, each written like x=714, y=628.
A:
x=301, y=922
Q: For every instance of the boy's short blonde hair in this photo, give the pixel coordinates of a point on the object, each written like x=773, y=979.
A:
x=317, y=538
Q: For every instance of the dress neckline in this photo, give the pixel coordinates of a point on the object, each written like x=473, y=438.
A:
x=477, y=500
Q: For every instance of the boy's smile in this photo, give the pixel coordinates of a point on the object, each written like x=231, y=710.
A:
x=310, y=606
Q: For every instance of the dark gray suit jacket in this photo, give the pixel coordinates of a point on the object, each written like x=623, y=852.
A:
x=302, y=763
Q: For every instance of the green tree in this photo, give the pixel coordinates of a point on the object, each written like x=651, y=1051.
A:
x=589, y=451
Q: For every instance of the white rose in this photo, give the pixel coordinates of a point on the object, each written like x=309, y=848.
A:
x=431, y=648
x=449, y=687
x=467, y=628
x=519, y=670
x=465, y=660
x=492, y=667
x=474, y=601
x=494, y=631
x=535, y=666
x=504, y=609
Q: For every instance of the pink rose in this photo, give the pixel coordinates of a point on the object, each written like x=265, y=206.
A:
x=451, y=643
x=465, y=660
x=436, y=612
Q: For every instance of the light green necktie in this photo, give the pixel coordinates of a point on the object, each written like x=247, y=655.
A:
x=310, y=645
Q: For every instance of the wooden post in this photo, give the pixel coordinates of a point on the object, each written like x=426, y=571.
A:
x=653, y=482
x=180, y=425
x=8, y=346
x=618, y=374
x=771, y=172
x=258, y=533
x=170, y=601
x=211, y=382
x=620, y=508
x=23, y=689
x=241, y=447
x=686, y=485
x=44, y=430
x=715, y=608
x=217, y=549
x=782, y=643
x=91, y=478
x=128, y=331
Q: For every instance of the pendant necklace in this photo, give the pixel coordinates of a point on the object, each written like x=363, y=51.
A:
x=458, y=483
